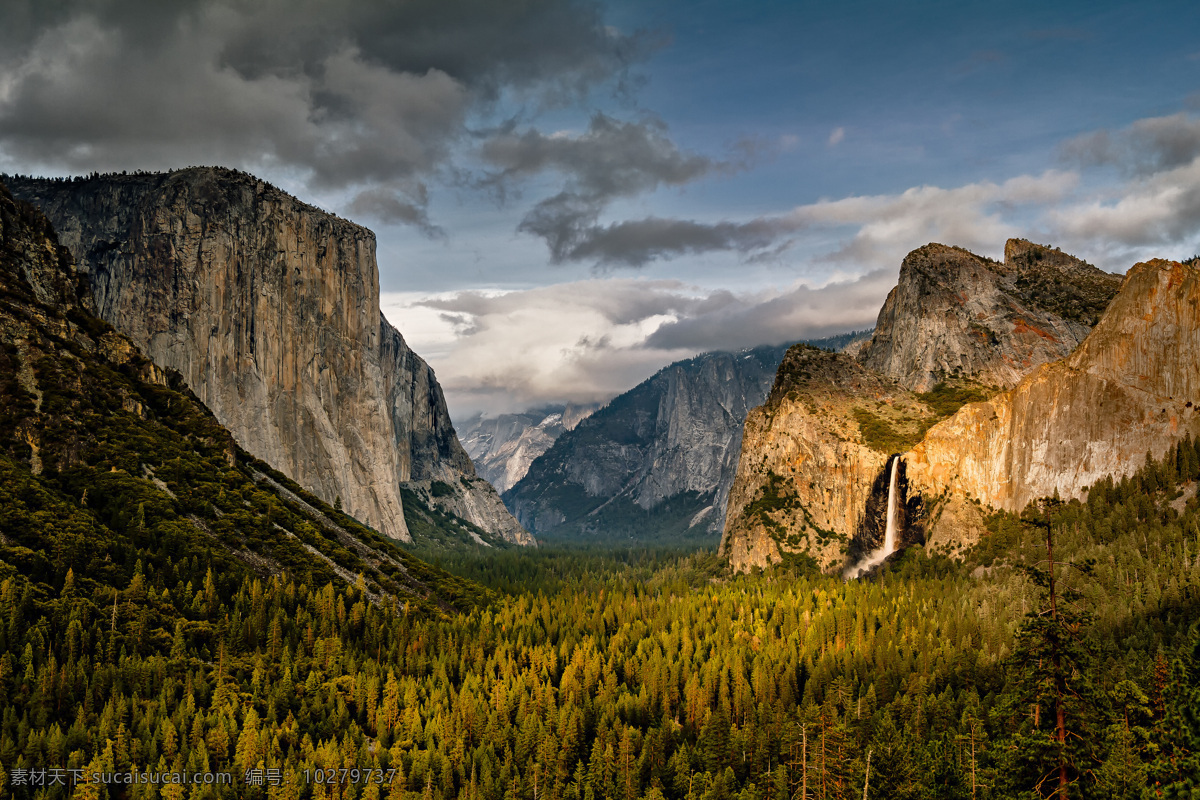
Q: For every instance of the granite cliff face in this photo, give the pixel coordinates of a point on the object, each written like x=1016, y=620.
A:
x=667, y=448
x=1130, y=389
x=954, y=313
x=92, y=431
x=807, y=473
x=504, y=446
x=811, y=475
x=269, y=308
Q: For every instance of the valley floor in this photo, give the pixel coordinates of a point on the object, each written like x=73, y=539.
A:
x=634, y=674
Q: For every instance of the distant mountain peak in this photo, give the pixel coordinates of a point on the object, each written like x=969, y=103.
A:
x=658, y=459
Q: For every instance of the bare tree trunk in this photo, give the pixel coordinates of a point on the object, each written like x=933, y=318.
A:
x=824, y=775
x=804, y=762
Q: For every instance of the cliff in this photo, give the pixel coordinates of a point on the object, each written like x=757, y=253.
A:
x=956, y=314
x=811, y=478
x=660, y=456
x=504, y=446
x=811, y=460
x=1130, y=389
x=109, y=465
x=269, y=309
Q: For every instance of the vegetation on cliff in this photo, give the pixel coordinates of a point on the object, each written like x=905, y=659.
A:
x=898, y=433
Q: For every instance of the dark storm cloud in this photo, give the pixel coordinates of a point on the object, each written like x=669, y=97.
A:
x=1145, y=147
x=482, y=43
x=801, y=313
x=887, y=226
x=637, y=242
x=611, y=160
x=390, y=207
x=372, y=95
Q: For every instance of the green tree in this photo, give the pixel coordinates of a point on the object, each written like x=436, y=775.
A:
x=1052, y=694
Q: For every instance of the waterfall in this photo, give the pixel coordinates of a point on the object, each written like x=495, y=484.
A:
x=889, y=537
x=877, y=557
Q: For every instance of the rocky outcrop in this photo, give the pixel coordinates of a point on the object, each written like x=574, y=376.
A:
x=811, y=478
x=269, y=308
x=956, y=314
x=503, y=447
x=807, y=472
x=29, y=249
x=676, y=434
x=428, y=450
x=1129, y=390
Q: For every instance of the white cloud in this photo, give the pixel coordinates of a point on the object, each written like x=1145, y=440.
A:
x=587, y=341
x=509, y=351
x=836, y=137
x=1148, y=216
x=976, y=216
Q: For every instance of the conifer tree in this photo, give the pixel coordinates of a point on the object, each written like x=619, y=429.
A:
x=1052, y=697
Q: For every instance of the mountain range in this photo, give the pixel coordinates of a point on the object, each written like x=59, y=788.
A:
x=504, y=446
x=993, y=382
x=655, y=462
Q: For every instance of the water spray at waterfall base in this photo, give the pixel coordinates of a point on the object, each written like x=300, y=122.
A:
x=877, y=557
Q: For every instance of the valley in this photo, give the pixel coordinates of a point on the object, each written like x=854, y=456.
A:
x=180, y=593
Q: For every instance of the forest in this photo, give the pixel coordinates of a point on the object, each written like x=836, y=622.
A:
x=594, y=674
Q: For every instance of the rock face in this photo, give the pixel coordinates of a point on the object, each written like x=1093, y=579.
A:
x=34, y=259
x=269, y=308
x=812, y=475
x=82, y=410
x=1130, y=389
x=954, y=313
x=676, y=434
x=910, y=515
x=807, y=474
x=504, y=446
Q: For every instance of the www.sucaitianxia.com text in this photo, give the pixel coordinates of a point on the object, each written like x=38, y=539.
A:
x=252, y=777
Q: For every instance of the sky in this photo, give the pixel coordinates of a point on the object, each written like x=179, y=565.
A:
x=569, y=195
